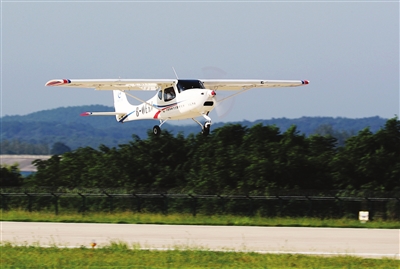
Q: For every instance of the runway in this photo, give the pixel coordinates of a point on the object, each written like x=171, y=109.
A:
x=372, y=243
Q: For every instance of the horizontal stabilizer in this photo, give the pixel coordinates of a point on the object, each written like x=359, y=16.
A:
x=103, y=114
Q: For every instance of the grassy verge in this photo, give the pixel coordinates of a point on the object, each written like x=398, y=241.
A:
x=187, y=219
x=119, y=255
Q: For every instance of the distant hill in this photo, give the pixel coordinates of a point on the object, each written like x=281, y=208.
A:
x=67, y=126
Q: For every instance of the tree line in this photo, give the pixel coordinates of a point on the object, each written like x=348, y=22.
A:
x=36, y=132
x=259, y=160
x=17, y=147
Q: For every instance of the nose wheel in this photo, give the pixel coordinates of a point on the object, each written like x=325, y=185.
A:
x=206, y=128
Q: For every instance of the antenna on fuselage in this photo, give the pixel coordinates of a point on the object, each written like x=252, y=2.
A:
x=176, y=75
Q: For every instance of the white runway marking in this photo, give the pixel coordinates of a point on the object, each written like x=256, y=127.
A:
x=372, y=243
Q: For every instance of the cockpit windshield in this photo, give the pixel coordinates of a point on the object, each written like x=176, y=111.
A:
x=187, y=84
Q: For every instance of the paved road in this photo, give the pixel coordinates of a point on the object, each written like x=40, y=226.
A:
x=374, y=243
x=24, y=161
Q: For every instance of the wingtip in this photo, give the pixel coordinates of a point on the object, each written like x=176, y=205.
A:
x=83, y=114
x=57, y=82
x=305, y=82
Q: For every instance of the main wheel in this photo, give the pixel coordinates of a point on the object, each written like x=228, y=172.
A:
x=156, y=130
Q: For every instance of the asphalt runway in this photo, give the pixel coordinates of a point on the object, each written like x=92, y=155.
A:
x=372, y=243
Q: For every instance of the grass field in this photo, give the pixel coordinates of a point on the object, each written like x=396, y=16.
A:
x=120, y=255
x=187, y=219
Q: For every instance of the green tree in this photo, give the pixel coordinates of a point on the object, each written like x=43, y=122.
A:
x=164, y=158
x=260, y=145
x=321, y=151
x=15, y=146
x=10, y=176
x=48, y=173
x=233, y=159
x=59, y=148
x=328, y=130
x=217, y=163
x=370, y=161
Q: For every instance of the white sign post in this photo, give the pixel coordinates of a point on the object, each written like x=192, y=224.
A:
x=363, y=216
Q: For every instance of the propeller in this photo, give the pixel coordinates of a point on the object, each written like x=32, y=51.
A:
x=213, y=72
x=223, y=104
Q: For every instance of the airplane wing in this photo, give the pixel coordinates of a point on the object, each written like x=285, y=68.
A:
x=113, y=84
x=156, y=84
x=236, y=84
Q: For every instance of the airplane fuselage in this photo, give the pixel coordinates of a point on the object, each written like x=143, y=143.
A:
x=181, y=104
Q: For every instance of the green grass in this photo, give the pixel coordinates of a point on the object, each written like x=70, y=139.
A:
x=187, y=219
x=120, y=255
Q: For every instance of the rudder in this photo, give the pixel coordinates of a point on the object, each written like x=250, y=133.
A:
x=121, y=104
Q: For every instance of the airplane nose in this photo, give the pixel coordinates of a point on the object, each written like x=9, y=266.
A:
x=213, y=93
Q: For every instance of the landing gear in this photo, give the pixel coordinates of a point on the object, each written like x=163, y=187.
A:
x=156, y=130
x=205, y=129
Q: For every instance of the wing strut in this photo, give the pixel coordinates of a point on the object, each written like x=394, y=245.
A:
x=141, y=100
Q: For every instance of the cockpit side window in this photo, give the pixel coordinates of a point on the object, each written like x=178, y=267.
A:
x=169, y=94
x=160, y=94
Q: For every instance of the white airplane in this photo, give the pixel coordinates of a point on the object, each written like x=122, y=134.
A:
x=175, y=99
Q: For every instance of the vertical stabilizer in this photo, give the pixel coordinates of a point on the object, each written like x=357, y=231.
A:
x=121, y=103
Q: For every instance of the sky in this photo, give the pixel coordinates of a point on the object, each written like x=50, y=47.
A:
x=348, y=50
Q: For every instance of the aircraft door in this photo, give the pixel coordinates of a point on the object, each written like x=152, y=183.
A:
x=169, y=94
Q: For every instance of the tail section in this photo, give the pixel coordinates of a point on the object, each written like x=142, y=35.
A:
x=122, y=105
x=123, y=109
